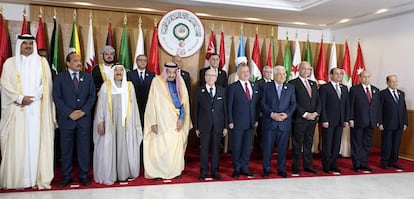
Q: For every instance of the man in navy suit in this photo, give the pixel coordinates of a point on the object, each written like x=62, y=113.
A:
x=308, y=108
x=364, y=115
x=141, y=78
x=184, y=74
x=393, y=121
x=334, y=116
x=242, y=102
x=278, y=104
x=74, y=96
x=210, y=122
x=214, y=61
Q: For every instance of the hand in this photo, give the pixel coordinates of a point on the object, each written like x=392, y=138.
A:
x=76, y=114
x=231, y=126
x=405, y=128
x=351, y=123
x=224, y=132
x=381, y=127
x=180, y=124
x=325, y=125
x=154, y=128
x=314, y=115
x=101, y=128
x=256, y=124
x=27, y=100
x=198, y=133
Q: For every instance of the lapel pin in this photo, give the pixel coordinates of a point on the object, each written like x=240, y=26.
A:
x=81, y=79
x=202, y=90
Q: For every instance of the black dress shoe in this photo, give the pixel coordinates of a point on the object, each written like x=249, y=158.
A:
x=248, y=173
x=157, y=179
x=312, y=170
x=65, y=182
x=356, y=169
x=326, y=170
x=397, y=166
x=336, y=170
x=202, y=176
x=84, y=181
x=216, y=176
x=282, y=173
x=384, y=166
x=295, y=171
x=266, y=174
x=235, y=174
x=366, y=168
x=178, y=177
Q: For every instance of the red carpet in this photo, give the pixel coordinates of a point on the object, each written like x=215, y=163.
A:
x=191, y=172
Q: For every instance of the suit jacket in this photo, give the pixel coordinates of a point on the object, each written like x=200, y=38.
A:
x=242, y=113
x=334, y=110
x=393, y=115
x=362, y=112
x=270, y=102
x=305, y=103
x=186, y=76
x=141, y=88
x=221, y=78
x=210, y=112
x=67, y=99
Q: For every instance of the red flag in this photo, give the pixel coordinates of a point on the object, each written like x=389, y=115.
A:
x=5, y=43
x=153, y=61
x=211, y=48
x=346, y=66
x=358, y=67
x=24, y=26
x=321, y=73
x=222, y=52
x=40, y=35
x=269, y=55
x=255, y=66
x=109, y=35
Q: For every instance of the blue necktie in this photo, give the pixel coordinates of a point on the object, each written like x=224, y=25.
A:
x=141, y=77
x=75, y=81
x=211, y=93
x=395, y=97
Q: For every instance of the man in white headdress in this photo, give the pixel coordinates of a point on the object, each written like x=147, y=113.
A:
x=117, y=132
x=27, y=125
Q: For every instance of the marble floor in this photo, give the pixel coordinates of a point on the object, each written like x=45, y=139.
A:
x=375, y=186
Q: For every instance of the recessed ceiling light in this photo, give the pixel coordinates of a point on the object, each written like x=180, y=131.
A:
x=83, y=3
x=300, y=23
x=381, y=11
x=147, y=9
x=202, y=14
x=252, y=19
x=344, y=20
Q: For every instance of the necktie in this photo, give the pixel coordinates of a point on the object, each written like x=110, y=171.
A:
x=395, y=96
x=279, y=90
x=308, y=88
x=368, y=94
x=247, y=91
x=75, y=81
x=211, y=93
x=338, y=90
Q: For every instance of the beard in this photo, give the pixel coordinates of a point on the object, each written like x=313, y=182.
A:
x=109, y=61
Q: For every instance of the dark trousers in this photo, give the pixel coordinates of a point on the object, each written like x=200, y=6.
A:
x=241, y=142
x=360, y=146
x=390, y=146
x=280, y=138
x=210, y=142
x=67, y=141
x=331, y=144
x=302, y=138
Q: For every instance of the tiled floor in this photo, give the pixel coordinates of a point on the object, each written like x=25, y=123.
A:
x=375, y=186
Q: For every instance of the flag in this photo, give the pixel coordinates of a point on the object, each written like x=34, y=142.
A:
x=321, y=74
x=287, y=60
x=346, y=66
x=5, y=43
x=153, y=61
x=222, y=63
x=40, y=35
x=271, y=53
x=74, y=40
x=240, y=51
x=109, y=41
x=332, y=59
x=24, y=25
x=124, y=57
x=296, y=60
x=90, y=59
x=358, y=67
x=308, y=58
x=255, y=66
x=211, y=48
x=140, y=45
x=54, y=48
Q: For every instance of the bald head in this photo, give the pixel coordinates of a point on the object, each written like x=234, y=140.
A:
x=305, y=69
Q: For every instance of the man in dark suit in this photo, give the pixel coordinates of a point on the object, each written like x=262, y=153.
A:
x=210, y=122
x=393, y=121
x=364, y=115
x=308, y=108
x=334, y=116
x=184, y=74
x=242, y=102
x=267, y=77
x=74, y=96
x=214, y=61
x=278, y=104
x=141, y=78
x=99, y=71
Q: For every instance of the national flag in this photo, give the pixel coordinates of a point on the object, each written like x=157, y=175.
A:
x=124, y=57
x=74, y=39
x=271, y=53
x=358, y=67
x=308, y=58
x=296, y=60
x=346, y=66
x=153, y=59
x=140, y=44
x=332, y=59
x=5, y=43
x=40, y=35
x=255, y=66
x=54, y=48
x=222, y=63
x=287, y=60
x=109, y=41
x=90, y=59
x=211, y=48
x=25, y=30
x=321, y=73
x=240, y=50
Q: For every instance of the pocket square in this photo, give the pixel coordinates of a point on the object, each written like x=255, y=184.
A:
x=256, y=91
x=219, y=98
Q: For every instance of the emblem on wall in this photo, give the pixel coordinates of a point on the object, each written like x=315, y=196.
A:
x=181, y=32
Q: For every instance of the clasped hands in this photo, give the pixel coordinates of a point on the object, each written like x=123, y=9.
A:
x=76, y=114
x=278, y=117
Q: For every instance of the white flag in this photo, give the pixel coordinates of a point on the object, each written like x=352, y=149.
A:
x=90, y=59
x=140, y=46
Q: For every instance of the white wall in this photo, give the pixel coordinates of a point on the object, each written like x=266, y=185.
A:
x=314, y=35
x=15, y=11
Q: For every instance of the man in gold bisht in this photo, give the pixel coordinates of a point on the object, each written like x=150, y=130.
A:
x=167, y=122
x=27, y=119
x=117, y=133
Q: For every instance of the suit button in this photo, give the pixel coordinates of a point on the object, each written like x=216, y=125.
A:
x=78, y=100
x=212, y=110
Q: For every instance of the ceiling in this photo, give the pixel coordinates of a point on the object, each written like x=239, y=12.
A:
x=311, y=14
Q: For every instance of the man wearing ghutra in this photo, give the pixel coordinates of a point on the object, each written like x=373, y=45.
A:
x=27, y=125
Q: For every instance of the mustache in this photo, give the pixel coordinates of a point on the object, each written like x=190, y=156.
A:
x=79, y=65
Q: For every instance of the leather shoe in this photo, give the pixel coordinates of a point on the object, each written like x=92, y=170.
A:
x=248, y=173
x=326, y=171
x=235, y=174
x=397, y=166
x=178, y=177
x=84, y=181
x=216, y=176
x=336, y=170
x=266, y=174
x=366, y=168
x=295, y=171
x=282, y=173
x=312, y=170
x=65, y=182
x=384, y=166
x=202, y=176
x=157, y=179
x=356, y=169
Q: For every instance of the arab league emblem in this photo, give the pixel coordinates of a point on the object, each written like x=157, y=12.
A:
x=181, y=32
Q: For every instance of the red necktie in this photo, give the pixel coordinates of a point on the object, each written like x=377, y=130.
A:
x=308, y=88
x=368, y=94
x=247, y=92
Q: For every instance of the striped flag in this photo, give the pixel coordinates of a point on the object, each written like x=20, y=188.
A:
x=124, y=57
x=271, y=53
x=74, y=45
x=296, y=60
x=25, y=30
x=359, y=66
x=153, y=59
x=321, y=74
x=54, y=48
x=287, y=60
x=346, y=66
x=40, y=35
x=109, y=41
x=308, y=58
x=255, y=66
x=223, y=64
x=211, y=48
x=139, y=50
x=90, y=59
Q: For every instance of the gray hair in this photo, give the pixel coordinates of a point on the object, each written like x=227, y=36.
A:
x=278, y=68
x=108, y=49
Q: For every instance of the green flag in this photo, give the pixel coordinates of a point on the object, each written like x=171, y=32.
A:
x=287, y=60
x=124, y=57
x=308, y=58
